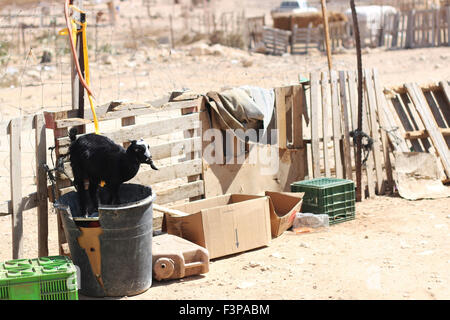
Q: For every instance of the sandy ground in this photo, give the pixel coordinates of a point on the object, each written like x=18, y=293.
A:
x=395, y=249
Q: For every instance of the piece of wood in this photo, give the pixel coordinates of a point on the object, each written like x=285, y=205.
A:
x=381, y=101
x=167, y=173
x=439, y=143
x=337, y=131
x=325, y=120
x=423, y=134
x=369, y=166
x=172, y=212
x=446, y=89
x=280, y=109
x=326, y=34
x=16, y=188
x=28, y=202
x=128, y=121
x=151, y=129
x=114, y=110
x=345, y=126
x=315, y=116
x=180, y=192
x=374, y=131
x=297, y=112
x=41, y=185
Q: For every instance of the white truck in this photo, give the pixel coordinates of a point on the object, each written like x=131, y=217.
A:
x=296, y=6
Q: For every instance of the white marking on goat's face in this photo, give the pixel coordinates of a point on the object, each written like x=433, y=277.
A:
x=147, y=147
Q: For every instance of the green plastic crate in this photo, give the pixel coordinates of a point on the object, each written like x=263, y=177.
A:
x=47, y=278
x=335, y=197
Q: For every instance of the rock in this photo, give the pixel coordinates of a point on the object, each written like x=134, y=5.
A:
x=108, y=59
x=245, y=285
x=200, y=49
x=304, y=245
x=246, y=63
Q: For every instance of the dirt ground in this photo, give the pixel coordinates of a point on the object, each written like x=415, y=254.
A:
x=394, y=249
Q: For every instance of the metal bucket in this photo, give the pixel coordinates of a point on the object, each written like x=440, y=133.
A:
x=115, y=258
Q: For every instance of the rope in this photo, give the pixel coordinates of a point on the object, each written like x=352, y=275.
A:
x=366, y=144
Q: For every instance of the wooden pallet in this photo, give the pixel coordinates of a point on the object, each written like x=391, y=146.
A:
x=276, y=41
x=422, y=115
x=333, y=115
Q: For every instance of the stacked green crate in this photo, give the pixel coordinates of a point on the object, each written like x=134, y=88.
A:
x=47, y=278
x=335, y=197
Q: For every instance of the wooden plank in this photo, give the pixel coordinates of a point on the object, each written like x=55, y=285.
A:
x=325, y=120
x=185, y=191
x=374, y=130
x=297, y=112
x=28, y=202
x=439, y=143
x=281, y=117
x=113, y=110
x=128, y=121
x=41, y=185
x=345, y=123
x=176, y=148
x=381, y=101
x=423, y=134
x=16, y=188
x=167, y=173
x=446, y=89
x=315, y=111
x=151, y=129
x=337, y=131
x=369, y=166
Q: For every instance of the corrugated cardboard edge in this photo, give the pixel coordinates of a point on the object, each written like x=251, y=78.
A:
x=282, y=222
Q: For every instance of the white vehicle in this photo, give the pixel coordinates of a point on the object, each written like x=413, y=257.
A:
x=294, y=7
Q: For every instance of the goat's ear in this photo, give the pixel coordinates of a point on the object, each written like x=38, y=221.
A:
x=132, y=141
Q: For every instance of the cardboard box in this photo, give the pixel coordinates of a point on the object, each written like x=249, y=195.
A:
x=283, y=207
x=224, y=225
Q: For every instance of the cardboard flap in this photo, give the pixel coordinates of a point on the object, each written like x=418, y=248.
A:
x=283, y=207
x=189, y=227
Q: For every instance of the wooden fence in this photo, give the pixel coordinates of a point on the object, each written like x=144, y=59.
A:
x=404, y=30
x=416, y=29
x=276, y=41
x=333, y=115
x=15, y=129
x=136, y=123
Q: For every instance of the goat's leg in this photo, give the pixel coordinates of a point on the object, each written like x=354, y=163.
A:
x=79, y=185
x=115, y=198
x=93, y=187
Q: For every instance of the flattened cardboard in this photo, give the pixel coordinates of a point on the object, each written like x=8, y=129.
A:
x=223, y=225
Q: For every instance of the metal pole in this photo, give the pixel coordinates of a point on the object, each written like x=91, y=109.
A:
x=359, y=191
x=327, y=33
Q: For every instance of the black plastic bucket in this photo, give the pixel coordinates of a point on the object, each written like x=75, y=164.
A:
x=125, y=243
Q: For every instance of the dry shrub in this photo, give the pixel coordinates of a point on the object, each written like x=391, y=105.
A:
x=235, y=40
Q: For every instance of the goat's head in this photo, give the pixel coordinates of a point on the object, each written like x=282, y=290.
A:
x=142, y=151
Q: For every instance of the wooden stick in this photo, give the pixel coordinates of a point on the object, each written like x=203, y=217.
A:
x=360, y=101
x=327, y=33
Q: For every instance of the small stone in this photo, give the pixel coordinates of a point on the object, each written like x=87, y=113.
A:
x=245, y=285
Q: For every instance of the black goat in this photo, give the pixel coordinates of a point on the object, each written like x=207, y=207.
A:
x=97, y=158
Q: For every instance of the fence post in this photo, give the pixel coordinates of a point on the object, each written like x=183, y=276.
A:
x=410, y=30
x=16, y=187
x=41, y=183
